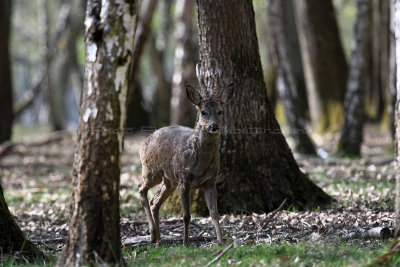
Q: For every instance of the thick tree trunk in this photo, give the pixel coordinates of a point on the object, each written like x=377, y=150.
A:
x=287, y=87
x=323, y=60
x=258, y=170
x=12, y=239
x=182, y=111
x=6, y=111
x=94, y=231
x=352, y=131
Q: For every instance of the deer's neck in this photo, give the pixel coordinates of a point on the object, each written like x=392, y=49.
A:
x=205, y=148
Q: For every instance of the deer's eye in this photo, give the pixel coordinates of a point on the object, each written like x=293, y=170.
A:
x=220, y=112
x=203, y=113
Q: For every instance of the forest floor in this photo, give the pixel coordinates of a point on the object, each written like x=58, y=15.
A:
x=36, y=176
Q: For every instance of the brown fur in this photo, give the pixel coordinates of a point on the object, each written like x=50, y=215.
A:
x=186, y=158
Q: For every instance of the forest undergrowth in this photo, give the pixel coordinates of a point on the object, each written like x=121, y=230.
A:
x=36, y=176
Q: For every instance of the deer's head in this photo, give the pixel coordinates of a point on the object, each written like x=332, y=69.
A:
x=211, y=100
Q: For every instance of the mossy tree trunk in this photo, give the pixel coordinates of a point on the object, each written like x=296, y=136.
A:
x=287, y=87
x=94, y=231
x=258, y=170
x=324, y=62
x=352, y=132
x=6, y=112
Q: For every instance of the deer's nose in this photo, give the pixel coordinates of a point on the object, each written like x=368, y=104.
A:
x=213, y=128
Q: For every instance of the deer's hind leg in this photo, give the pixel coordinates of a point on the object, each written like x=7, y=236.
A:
x=149, y=180
x=166, y=188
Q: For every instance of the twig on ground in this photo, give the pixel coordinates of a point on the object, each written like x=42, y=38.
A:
x=219, y=255
x=201, y=233
x=273, y=214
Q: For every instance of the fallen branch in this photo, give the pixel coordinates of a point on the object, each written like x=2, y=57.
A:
x=273, y=214
x=375, y=232
x=219, y=255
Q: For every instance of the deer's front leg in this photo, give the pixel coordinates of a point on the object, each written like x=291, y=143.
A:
x=210, y=194
x=185, y=197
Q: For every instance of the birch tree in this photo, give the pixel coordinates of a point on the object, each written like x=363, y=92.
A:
x=94, y=231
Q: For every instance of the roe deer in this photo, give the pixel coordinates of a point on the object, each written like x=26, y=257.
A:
x=189, y=158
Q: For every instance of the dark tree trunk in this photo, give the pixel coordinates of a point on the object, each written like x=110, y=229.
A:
x=258, y=170
x=294, y=56
x=6, y=112
x=94, y=231
x=379, y=96
x=323, y=60
x=12, y=239
x=287, y=87
x=393, y=73
x=352, y=131
x=182, y=111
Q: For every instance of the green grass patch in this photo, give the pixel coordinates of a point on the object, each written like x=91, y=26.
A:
x=334, y=253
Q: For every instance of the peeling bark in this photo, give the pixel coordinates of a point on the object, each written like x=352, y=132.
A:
x=352, y=131
x=94, y=231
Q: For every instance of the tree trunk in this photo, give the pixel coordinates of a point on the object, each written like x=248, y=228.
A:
x=182, y=111
x=393, y=73
x=394, y=249
x=142, y=35
x=286, y=85
x=253, y=151
x=294, y=56
x=323, y=60
x=12, y=239
x=65, y=65
x=162, y=97
x=397, y=110
x=352, y=131
x=6, y=111
x=94, y=231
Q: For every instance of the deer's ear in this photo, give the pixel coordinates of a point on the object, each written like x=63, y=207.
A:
x=193, y=95
x=227, y=93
